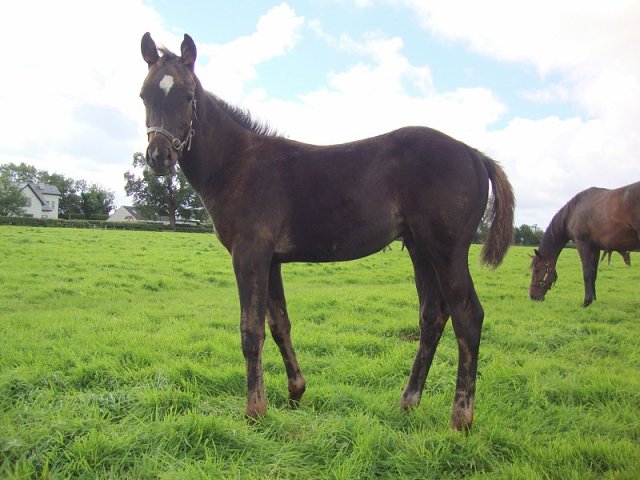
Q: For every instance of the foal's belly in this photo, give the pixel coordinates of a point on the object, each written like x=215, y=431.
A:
x=336, y=244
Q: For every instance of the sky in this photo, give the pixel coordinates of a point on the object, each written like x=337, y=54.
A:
x=549, y=89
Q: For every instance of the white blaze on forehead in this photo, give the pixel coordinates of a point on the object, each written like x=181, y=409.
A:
x=166, y=83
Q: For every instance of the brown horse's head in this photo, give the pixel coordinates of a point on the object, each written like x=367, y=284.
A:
x=543, y=276
x=168, y=94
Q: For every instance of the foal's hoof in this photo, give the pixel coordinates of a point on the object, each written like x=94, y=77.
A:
x=461, y=423
x=255, y=413
x=295, y=394
x=462, y=415
x=253, y=420
x=294, y=402
x=409, y=400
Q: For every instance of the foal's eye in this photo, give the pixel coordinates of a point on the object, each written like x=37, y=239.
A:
x=189, y=98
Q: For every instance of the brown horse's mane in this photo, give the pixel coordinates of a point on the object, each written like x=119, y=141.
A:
x=240, y=115
x=556, y=232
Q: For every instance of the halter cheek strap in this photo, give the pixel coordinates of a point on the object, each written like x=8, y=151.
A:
x=548, y=273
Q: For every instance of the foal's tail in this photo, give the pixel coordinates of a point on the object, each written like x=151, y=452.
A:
x=501, y=229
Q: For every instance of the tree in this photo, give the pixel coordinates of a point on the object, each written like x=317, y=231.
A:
x=12, y=201
x=96, y=202
x=527, y=235
x=170, y=195
x=19, y=174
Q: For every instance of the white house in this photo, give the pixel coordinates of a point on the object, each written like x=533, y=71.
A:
x=42, y=200
x=127, y=214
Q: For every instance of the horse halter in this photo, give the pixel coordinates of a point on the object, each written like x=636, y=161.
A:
x=549, y=273
x=176, y=143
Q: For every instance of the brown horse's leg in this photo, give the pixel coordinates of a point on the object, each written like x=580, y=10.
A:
x=589, y=255
x=466, y=316
x=281, y=333
x=626, y=257
x=252, y=272
x=433, y=317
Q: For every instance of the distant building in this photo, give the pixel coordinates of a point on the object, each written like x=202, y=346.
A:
x=134, y=214
x=42, y=200
x=127, y=214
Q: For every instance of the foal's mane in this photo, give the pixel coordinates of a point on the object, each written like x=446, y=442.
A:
x=240, y=115
x=243, y=117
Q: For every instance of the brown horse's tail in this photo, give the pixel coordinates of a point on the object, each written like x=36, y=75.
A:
x=501, y=230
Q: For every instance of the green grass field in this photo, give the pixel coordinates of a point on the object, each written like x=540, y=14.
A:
x=120, y=358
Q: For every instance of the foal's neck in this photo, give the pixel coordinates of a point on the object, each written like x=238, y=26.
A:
x=219, y=143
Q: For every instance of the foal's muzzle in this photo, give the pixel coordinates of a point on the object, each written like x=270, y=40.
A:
x=164, y=149
x=160, y=157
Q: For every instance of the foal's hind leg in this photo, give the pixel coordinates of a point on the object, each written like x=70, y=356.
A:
x=433, y=317
x=281, y=332
x=466, y=316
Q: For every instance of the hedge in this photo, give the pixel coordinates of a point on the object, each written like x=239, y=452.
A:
x=151, y=227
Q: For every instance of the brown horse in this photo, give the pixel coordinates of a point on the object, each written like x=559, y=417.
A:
x=274, y=200
x=595, y=219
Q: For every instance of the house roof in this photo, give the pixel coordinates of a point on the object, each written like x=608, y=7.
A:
x=42, y=189
x=135, y=213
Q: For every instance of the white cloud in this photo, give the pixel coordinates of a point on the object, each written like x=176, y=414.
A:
x=591, y=46
x=587, y=46
x=381, y=92
x=227, y=68
x=551, y=159
x=69, y=96
x=69, y=89
x=549, y=94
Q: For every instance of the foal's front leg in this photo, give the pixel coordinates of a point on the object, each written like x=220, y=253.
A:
x=251, y=267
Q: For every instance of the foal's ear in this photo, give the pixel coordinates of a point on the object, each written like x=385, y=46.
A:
x=188, y=51
x=149, y=50
x=536, y=252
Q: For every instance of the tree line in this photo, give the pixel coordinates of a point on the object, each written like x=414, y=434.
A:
x=78, y=198
x=156, y=197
